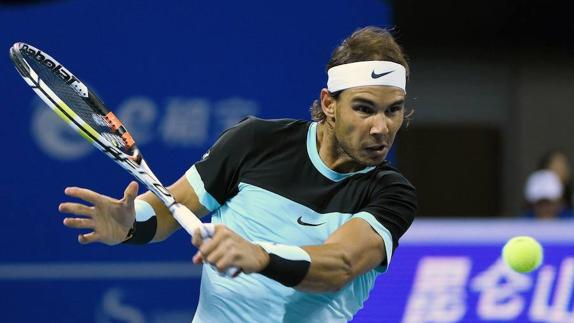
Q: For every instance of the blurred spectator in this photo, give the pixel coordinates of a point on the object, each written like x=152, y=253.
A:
x=557, y=161
x=544, y=195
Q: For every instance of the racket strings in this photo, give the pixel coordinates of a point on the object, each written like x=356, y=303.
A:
x=90, y=115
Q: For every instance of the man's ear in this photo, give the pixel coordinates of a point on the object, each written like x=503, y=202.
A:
x=327, y=104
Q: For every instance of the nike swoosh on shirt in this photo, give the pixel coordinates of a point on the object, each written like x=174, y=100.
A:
x=376, y=76
x=308, y=224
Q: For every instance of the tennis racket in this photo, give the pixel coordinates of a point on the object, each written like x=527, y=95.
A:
x=76, y=104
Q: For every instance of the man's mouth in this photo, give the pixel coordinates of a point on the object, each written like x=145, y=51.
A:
x=376, y=148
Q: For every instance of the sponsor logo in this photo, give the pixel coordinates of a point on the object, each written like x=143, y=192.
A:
x=142, y=116
x=376, y=76
x=300, y=221
x=47, y=61
x=205, y=155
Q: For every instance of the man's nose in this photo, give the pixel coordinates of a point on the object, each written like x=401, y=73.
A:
x=380, y=125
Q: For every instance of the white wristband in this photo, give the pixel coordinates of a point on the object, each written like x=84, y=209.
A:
x=287, y=265
x=284, y=251
x=144, y=211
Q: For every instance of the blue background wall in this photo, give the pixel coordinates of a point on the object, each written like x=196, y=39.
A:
x=178, y=73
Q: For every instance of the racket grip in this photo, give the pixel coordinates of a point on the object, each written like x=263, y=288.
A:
x=188, y=221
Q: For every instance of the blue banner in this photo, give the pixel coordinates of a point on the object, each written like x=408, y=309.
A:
x=178, y=73
x=471, y=284
x=452, y=271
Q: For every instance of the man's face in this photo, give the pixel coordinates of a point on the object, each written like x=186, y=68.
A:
x=547, y=209
x=367, y=120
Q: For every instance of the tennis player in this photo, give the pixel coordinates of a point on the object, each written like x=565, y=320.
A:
x=311, y=212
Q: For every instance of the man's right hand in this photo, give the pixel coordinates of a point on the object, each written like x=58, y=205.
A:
x=109, y=219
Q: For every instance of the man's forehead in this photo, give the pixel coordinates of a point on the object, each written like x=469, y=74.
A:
x=376, y=92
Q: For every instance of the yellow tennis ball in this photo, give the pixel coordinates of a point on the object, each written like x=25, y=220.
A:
x=523, y=254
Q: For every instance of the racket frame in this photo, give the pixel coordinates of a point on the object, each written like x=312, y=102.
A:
x=135, y=164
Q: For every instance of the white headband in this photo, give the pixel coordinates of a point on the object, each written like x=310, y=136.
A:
x=366, y=73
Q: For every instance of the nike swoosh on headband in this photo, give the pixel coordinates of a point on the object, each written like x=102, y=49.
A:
x=376, y=76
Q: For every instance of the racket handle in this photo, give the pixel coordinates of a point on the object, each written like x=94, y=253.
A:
x=185, y=217
x=190, y=222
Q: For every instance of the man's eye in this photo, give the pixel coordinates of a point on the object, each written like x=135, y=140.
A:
x=395, y=108
x=363, y=109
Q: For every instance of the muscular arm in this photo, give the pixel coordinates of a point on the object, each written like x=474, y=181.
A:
x=111, y=219
x=350, y=251
x=184, y=194
x=353, y=249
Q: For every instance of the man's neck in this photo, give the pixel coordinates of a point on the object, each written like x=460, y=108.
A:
x=331, y=153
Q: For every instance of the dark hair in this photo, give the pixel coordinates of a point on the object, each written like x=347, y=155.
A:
x=547, y=158
x=366, y=44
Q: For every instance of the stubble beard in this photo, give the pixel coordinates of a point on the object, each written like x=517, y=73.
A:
x=343, y=149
